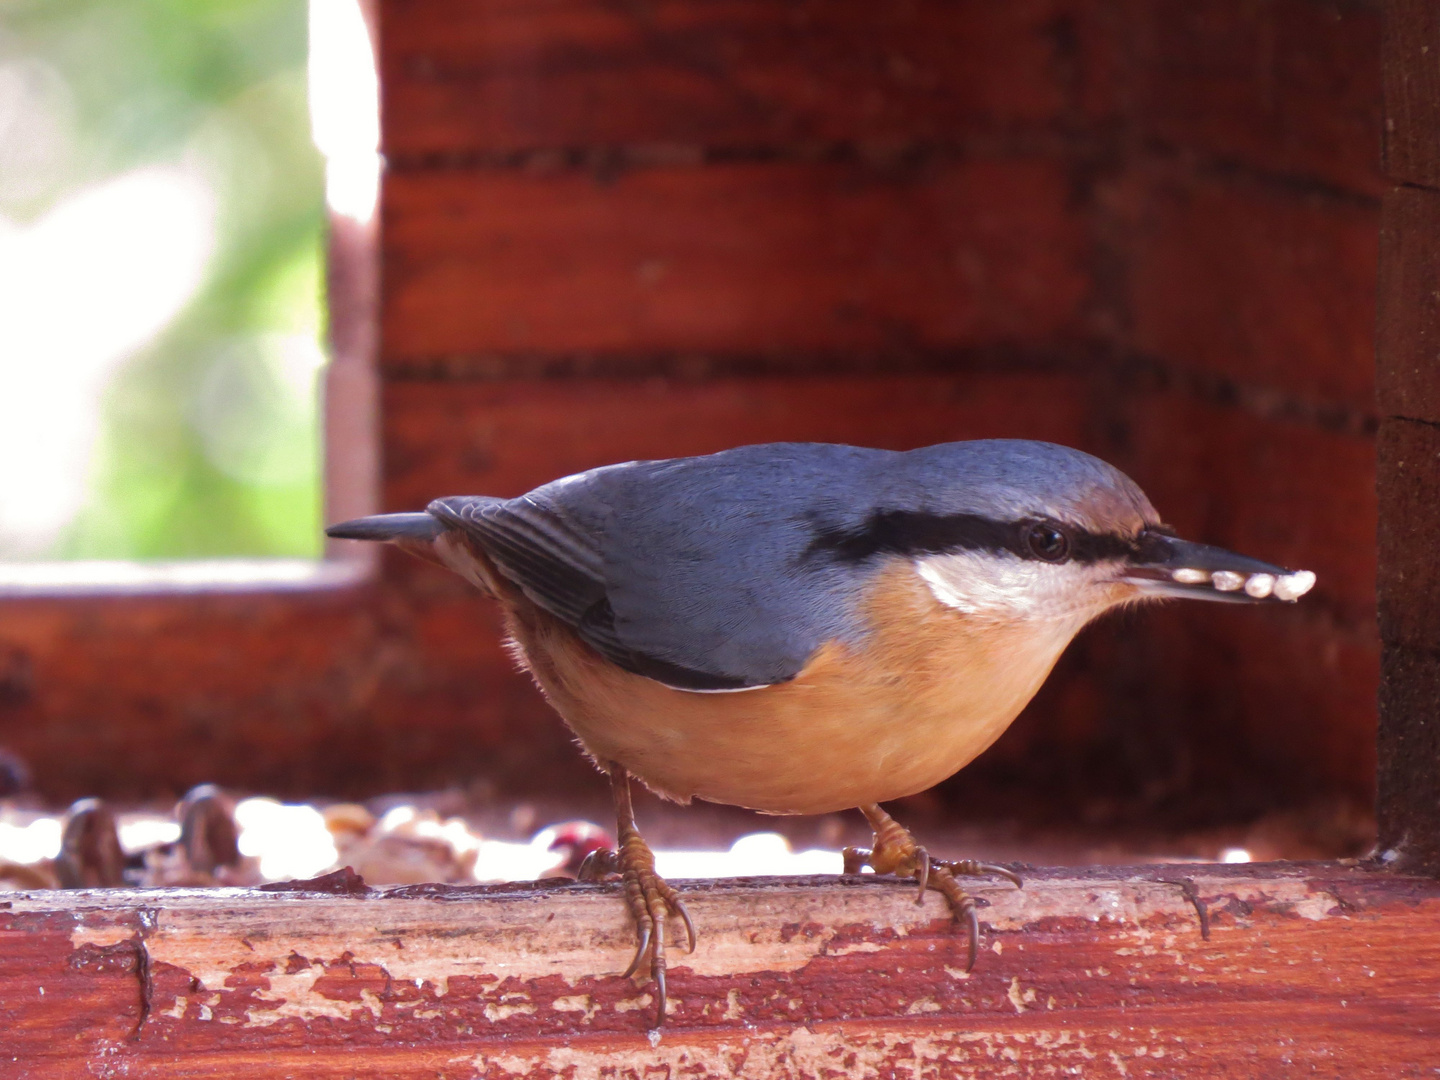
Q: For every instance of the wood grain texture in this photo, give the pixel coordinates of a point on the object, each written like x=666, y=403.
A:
x=341, y=691
x=1292, y=88
x=1228, y=277
x=1222, y=706
x=1409, y=441
x=1407, y=328
x=1409, y=757
x=757, y=260
x=1412, y=92
x=1215, y=692
x=1409, y=489
x=463, y=78
x=1308, y=967
x=1287, y=88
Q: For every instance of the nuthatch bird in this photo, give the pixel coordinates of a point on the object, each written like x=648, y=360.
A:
x=801, y=628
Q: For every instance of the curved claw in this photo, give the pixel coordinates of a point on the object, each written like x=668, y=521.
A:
x=641, y=951
x=972, y=921
x=896, y=852
x=922, y=874
x=650, y=926
x=658, y=973
x=1000, y=871
x=679, y=908
x=971, y=868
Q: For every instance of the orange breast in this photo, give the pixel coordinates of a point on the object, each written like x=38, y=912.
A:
x=928, y=691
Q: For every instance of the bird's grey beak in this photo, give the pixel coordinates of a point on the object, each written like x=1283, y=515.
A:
x=1168, y=566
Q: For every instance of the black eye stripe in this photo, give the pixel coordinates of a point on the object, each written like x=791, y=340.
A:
x=1094, y=547
x=909, y=532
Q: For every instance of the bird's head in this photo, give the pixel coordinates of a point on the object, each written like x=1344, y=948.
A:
x=1026, y=530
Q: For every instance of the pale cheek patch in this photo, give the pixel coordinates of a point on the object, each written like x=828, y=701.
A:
x=1003, y=586
x=974, y=584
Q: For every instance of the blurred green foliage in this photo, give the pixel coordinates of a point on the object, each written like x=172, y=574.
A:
x=209, y=442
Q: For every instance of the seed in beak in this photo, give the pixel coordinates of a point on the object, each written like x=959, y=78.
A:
x=1226, y=580
x=1259, y=585
x=1293, y=586
x=1187, y=576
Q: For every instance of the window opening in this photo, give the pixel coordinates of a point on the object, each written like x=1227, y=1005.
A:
x=165, y=171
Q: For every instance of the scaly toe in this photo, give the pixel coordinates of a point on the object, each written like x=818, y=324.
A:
x=649, y=897
x=652, y=901
x=962, y=906
x=896, y=852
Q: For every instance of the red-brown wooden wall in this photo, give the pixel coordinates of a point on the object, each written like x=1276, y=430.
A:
x=614, y=230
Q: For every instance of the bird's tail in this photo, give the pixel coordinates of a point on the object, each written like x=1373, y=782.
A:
x=388, y=527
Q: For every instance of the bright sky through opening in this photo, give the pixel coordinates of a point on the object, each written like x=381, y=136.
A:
x=123, y=280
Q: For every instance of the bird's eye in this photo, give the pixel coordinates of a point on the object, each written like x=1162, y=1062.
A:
x=1047, y=542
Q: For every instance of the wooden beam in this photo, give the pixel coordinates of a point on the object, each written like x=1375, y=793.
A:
x=465, y=79
x=1241, y=280
x=1306, y=967
x=749, y=259
x=1287, y=88
x=1408, y=757
x=1411, y=61
x=1408, y=477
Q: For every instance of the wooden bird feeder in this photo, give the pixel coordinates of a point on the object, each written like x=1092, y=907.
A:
x=1153, y=231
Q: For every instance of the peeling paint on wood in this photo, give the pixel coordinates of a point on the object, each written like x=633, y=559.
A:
x=1087, y=973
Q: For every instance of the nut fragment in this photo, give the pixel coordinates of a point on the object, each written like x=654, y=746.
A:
x=1293, y=586
x=1187, y=576
x=1226, y=580
x=1259, y=585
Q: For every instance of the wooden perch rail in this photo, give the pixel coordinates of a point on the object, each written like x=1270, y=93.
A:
x=1324, y=970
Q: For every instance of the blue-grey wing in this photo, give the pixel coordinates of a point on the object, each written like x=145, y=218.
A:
x=559, y=565
x=693, y=572
x=555, y=564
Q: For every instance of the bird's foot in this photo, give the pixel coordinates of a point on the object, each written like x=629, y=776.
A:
x=649, y=896
x=897, y=852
